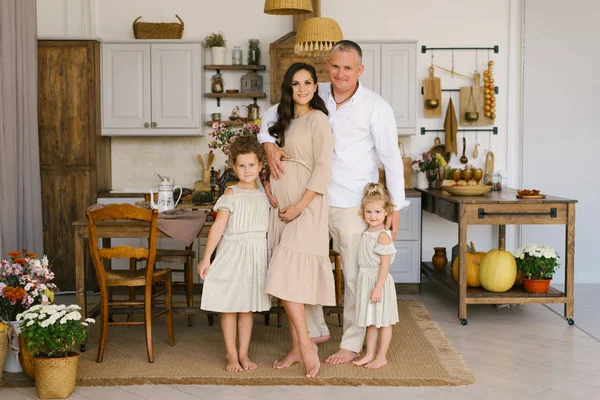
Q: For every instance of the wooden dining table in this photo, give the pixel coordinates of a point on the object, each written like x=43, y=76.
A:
x=108, y=230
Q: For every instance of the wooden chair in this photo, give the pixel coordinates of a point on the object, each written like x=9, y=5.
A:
x=184, y=257
x=139, y=278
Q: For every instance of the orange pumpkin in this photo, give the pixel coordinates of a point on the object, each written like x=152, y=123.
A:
x=473, y=259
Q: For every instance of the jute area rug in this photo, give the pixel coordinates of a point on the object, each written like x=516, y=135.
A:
x=419, y=355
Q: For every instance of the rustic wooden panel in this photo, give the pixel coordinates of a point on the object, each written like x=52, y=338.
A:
x=446, y=209
x=74, y=157
x=65, y=196
x=64, y=89
x=282, y=56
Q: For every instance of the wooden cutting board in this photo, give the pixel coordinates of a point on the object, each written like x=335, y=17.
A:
x=467, y=105
x=489, y=166
x=428, y=92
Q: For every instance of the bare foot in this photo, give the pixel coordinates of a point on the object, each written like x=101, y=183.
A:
x=320, y=339
x=233, y=365
x=365, y=360
x=376, y=363
x=310, y=356
x=247, y=364
x=290, y=359
x=342, y=356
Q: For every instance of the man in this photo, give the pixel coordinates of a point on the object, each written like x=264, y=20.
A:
x=363, y=124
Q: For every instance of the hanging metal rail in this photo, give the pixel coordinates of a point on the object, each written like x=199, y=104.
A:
x=494, y=130
x=495, y=48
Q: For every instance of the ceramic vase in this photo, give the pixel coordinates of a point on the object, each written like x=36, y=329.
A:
x=218, y=55
x=422, y=180
x=439, y=259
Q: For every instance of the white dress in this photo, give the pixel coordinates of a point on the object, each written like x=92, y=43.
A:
x=236, y=278
x=384, y=313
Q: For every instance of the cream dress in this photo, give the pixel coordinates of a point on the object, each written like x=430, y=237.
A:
x=236, y=278
x=384, y=313
x=299, y=268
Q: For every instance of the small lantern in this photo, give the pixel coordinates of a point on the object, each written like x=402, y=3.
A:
x=252, y=82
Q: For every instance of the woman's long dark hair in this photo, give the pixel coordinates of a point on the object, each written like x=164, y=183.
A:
x=285, y=110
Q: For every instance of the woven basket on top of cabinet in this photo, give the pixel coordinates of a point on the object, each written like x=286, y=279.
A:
x=157, y=30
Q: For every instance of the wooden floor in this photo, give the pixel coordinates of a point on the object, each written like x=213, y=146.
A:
x=527, y=352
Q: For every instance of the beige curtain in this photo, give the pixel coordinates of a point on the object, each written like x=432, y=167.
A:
x=20, y=190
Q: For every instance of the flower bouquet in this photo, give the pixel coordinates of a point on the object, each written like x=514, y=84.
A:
x=430, y=163
x=24, y=281
x=223, y=135
x=51, y=332
x=537, y=264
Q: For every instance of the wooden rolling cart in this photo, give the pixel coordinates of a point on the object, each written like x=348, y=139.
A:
x=501, y=208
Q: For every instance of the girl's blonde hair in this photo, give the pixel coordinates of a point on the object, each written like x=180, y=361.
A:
x=376, y=192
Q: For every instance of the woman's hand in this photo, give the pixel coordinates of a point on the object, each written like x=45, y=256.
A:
x=290, y=213
x=269, y=193
x=203, y=267
x=376, y=295
x=274, y=157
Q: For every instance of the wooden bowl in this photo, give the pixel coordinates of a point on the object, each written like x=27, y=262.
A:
x=475, y=190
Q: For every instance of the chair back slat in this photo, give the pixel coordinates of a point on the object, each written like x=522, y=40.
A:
x=124, y=252
x=126, y=212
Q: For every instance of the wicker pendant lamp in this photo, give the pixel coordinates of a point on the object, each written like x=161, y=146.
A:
x=288, y=7
x=316, y=37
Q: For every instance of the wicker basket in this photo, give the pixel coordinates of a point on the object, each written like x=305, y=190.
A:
x=25, y=358
x=55, y=377
x=3, y=349
x=157, y=30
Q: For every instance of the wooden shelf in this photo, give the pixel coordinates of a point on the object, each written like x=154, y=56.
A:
x=227, y=123
x=515, y=295
x=247, y=95
x=235, y=67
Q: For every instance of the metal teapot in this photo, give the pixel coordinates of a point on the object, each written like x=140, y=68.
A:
x=165, y=195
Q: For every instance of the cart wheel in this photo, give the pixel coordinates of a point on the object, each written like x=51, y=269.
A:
x=463, y=321
x=570, y=321
x=82, y=347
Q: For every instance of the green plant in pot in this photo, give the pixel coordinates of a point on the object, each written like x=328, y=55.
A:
x=537, y=264
x=50, y=333
x=216, y=42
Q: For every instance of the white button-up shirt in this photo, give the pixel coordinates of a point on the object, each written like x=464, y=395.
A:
x=362, y=126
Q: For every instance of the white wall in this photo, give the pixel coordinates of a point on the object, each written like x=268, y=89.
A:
x=561, y=120
x=435, y=23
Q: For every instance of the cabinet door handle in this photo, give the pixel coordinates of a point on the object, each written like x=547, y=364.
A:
x=146, y=125
x=154, y=124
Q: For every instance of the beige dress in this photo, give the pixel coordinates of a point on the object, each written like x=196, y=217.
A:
x=384, y=313
x=236, y=278
x=299, y=268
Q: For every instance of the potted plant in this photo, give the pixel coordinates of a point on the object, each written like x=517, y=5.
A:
x=51, y=332
x=537, y=264
x=216, y=42
x=429, y=163
x=24, y=282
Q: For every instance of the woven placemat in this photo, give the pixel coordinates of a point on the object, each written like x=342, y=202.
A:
x=419, y=355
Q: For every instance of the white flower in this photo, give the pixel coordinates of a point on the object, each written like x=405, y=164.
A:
x=84, y=324
x=30, y=323
x=90, y=320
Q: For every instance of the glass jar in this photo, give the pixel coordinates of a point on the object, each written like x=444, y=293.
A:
x=493, y=180
x=236, y=56
x=253, y=52
x=216, y=83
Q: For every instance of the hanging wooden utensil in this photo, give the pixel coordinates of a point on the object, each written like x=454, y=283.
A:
x=489, y=163
x=432, y=94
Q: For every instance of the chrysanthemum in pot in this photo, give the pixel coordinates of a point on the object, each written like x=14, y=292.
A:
x=537, y=264
x=51, y=332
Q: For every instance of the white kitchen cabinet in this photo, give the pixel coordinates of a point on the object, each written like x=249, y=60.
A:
x=406, y=267
x=390, y=70
x=151, y=89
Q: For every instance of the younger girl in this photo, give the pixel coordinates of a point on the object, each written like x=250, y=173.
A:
x=376, y=306
x=234, y=284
